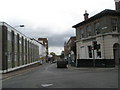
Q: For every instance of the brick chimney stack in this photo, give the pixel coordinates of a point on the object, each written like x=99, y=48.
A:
x=86, y=15
x=117, y=4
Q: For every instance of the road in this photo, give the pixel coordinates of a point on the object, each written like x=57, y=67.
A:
x=48, y=76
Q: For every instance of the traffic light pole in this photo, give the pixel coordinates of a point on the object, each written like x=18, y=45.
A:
x=94, y=48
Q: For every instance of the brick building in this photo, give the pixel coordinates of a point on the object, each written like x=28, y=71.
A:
x=70, y=50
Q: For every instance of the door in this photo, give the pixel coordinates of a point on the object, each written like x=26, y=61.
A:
x=116, y=49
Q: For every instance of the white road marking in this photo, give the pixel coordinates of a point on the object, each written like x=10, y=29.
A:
x=46, y=85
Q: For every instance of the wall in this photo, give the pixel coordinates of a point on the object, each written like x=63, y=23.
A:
x=24, y=50
x=0, y=47
x=109, y=41
x=0, y=57
x=106, y=42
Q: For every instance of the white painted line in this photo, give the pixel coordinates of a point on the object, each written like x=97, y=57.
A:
x=46, y=85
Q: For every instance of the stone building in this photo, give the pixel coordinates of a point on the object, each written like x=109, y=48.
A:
x=104, y=28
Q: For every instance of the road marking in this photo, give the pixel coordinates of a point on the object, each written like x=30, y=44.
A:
x=46, y=85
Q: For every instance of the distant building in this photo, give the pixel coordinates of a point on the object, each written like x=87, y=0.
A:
x=44, y=42
x=42, y=51
x=104, y=28
x=70, y=50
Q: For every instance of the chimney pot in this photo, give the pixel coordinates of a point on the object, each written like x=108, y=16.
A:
x=86, y=15
x=117, y=4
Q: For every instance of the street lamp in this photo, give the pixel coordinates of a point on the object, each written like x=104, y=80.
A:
x=20, y=26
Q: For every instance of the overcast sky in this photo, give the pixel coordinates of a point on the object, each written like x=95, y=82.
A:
x=52, y=19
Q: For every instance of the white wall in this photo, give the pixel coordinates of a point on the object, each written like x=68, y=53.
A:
x=0, y=57
x=42, y=50
x=0, y=47
x=83, y=51
x=106, y=42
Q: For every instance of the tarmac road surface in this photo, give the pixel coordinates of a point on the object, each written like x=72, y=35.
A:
x=49, y=76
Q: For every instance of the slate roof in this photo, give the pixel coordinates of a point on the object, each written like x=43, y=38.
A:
x=99, y=15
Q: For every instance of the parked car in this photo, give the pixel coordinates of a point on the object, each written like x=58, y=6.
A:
x=54, y=61
x=61, y=64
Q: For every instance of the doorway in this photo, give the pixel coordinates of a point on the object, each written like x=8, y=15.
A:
x=116, y=52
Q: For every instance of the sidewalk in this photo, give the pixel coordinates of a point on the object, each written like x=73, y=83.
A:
x=91, y=68
x=20, y=71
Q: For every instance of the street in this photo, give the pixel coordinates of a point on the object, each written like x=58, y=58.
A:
x=48, y=76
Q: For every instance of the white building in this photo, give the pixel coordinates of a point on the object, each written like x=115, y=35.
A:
x=104, y=28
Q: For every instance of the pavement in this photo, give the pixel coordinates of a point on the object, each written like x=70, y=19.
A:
x=20, y=71
x=33, y=67
x=92, y=68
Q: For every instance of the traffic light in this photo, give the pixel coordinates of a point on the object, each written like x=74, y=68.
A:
x=95, y=45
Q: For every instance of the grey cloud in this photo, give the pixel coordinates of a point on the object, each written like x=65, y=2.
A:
x=58, y=40
x=54, y=39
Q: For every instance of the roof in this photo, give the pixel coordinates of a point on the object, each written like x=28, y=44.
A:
x=99, y=15
x=45, y=39
x=71, y=38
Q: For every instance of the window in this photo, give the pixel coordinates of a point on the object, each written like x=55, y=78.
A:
x=97, y=28
x=82, y=33
x=114, y=24
x=9, y=49
x=90, y=51
x=83, y=52
x=24, y=51
x=88, y=28
x=20, y=44
x=16, y=50
x=98, y=51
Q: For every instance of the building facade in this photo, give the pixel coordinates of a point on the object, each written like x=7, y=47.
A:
x=70, y=50
x=16, y=49
x=44, y=42
x=104, y=28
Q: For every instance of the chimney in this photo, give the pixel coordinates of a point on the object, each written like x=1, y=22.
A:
x=86, y=15
x=117, y=4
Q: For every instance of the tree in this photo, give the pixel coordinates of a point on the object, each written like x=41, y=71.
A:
x=53, y=54
x=62, y=55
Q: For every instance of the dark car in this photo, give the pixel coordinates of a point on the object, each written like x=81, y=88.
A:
x=61, y=64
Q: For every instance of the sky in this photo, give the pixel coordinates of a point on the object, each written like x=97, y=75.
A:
x=52, y=19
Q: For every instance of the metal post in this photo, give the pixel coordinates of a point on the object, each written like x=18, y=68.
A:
x=93, y=58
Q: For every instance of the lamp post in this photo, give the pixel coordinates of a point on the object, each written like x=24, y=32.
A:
x=20, y=26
